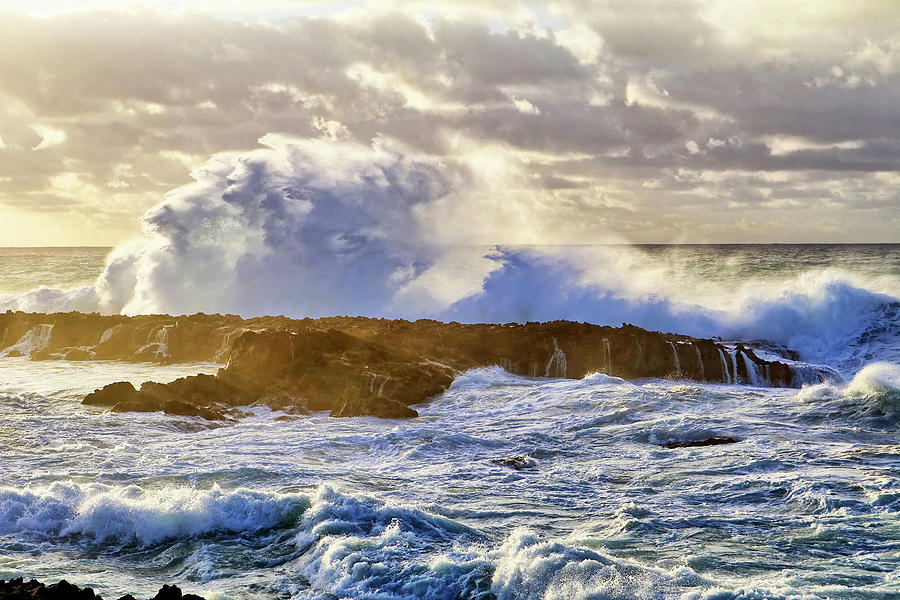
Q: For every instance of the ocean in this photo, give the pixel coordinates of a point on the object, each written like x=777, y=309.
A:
x=806, y=504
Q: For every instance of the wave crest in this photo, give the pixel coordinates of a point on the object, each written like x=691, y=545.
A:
x=133, y=515
x=311, y=228
x=873, y=395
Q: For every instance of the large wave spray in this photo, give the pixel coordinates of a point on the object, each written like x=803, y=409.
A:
x=315, y=228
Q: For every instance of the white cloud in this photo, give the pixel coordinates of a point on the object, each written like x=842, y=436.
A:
x=525, y=107
x=50, y=136
x=706, y=100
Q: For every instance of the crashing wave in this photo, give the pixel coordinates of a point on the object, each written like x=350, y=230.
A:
x=131, y=514
x=872, y=395
x=312, y=228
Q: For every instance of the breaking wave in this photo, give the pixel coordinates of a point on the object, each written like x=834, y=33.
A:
x=873, y=395
x=344, y=545
x=316, y=228
x=133, y=515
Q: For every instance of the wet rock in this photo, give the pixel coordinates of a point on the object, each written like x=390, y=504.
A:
x=355, y=366
x=287, y=418
x=383, y=408
x=18, y=589
x=139, y=404
x=112, y=394
x=177, y=407
x=77, y=354
x=519, y=462
x=198, y=396
x=173, y=592
x=283, y=401
x=713, y=441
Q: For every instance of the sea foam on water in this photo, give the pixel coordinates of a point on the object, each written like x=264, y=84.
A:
x=620, y=498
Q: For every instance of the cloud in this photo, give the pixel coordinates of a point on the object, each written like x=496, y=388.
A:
x=601, y=102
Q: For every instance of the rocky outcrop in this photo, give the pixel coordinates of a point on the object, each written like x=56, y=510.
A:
x=361, y=366
x=151, y=338
x=520, y=462
x=19, y=589
x=197, y=396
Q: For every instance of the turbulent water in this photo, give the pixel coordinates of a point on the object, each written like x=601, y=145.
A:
x=806, y=504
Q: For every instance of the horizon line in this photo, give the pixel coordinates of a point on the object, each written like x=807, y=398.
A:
x=513, y=245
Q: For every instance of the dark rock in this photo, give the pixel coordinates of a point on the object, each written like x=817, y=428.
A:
x=200, y=390
x=112, y=394
x=519, y=462
x=713, y=441
x=177, y=407
x=383, y=408
x=284, y=401
x=18, y=589
x=168, y=592
x=139, y=404
x=288, y=418
x=356, y=366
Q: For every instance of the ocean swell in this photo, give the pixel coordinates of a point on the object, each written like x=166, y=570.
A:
x=132, y=515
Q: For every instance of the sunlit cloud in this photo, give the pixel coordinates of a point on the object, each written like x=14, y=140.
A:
x=626, y=118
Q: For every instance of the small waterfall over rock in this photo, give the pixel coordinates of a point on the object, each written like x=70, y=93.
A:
x=700, y=362
x=753, y=375
x=162, y=341
x=556, y=366
x=158, y=340
x=608, y=357
x=107, y=335
x=806, y=374
x=678, y=371
x=36, y=338
x=726, y=376
x=225, y=349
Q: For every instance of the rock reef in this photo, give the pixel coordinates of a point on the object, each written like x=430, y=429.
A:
x=355, y=366
x=19, y=589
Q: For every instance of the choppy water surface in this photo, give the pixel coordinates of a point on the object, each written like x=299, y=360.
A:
x=24, y=269
x=806, y=504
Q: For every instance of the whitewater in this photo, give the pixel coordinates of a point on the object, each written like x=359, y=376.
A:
x=505, y=487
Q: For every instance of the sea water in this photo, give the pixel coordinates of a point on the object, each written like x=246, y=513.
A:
x=806, y=503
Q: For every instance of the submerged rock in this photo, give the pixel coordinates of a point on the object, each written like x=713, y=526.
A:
x=177, y=407
x=383, y=408
x=519, y=462
x=713, y=441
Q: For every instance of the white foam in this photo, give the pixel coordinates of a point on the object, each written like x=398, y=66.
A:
x=876, y=386
x=528, y=566
x=330, y=228
x=133, y=515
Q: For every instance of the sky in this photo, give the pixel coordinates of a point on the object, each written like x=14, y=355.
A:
x=651, y=121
